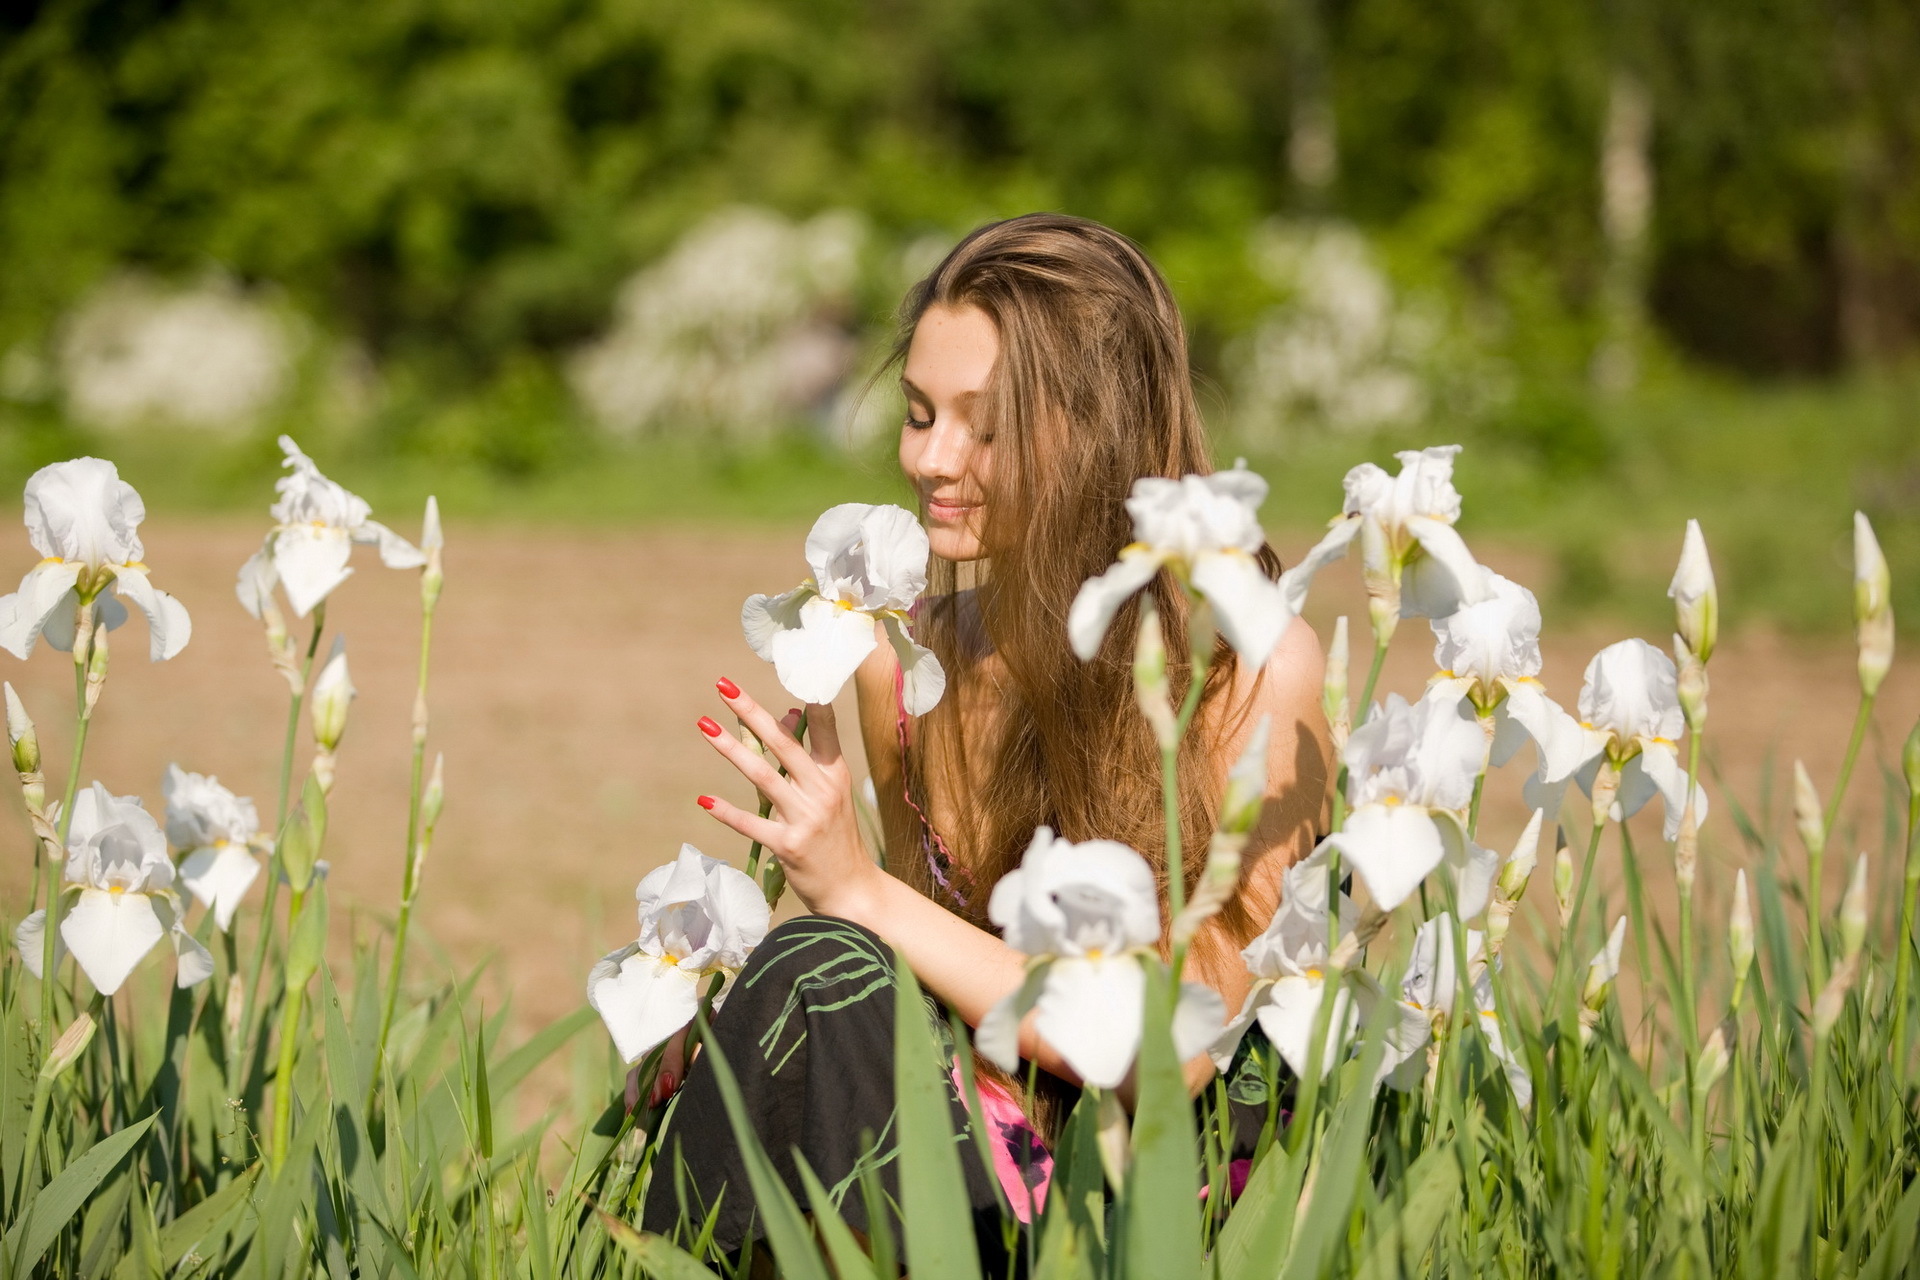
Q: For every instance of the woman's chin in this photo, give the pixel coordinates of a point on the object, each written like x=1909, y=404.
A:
x=954, y=542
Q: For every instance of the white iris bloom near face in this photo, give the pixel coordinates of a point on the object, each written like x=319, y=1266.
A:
x=218, y=833
x=1411, y=556
x=1430, y=988
x=85, y=521
x=698, y=917
x=1410, y=773
x=1205, y=530
x=1489, y=657
x=316, y=523
x=117, y=868
x=1089, y=916
x=1290, y=980
x=1630, y=716
x=869, y=566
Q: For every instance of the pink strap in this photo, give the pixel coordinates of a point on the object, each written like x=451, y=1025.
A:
x=940, y=860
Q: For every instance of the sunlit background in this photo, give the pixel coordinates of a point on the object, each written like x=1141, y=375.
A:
x=612, y=277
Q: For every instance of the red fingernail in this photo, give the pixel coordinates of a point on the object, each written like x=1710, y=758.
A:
x=710, y=727
x=793, y=711
x=705, y=802
x=727, y=688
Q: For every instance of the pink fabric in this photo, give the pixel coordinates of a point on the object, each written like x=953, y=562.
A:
x=1021, y=1160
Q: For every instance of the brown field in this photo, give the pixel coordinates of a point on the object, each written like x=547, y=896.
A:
x=568, y=670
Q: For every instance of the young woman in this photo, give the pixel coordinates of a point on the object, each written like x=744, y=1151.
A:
x=1044, y=370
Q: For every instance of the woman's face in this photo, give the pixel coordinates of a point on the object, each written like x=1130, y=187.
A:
x=948, y=462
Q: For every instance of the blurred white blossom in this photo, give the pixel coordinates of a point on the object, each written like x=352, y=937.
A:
x=1343, y=350
x=740, y=328
x=209, y=355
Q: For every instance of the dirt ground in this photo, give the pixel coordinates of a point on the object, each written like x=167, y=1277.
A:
x=568, y=671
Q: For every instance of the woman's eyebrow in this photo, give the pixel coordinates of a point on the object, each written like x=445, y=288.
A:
x=906, y=385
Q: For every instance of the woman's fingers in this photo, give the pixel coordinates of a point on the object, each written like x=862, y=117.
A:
x=756, y=717
x=752, y=765
x=823, y=735
x=764, y=831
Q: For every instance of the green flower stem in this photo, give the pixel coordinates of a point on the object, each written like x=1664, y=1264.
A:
x=1903, y=943
x=766, y=805
x=83, y=719
x=1570, y=936
x=1689, y=989
x=250, y=1021
x=1816, y=864
x=290, y=1010
x=410, y=873
x=1170, y=795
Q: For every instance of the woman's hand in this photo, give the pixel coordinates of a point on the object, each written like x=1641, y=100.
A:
x=813, y=829
x=671, y=1074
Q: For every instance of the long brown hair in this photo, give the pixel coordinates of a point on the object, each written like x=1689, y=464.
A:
x=1091, y=391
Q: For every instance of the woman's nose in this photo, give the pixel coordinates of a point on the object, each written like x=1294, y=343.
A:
x=945, y=455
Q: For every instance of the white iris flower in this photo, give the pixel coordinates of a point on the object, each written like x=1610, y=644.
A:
x=1410, y=773
x=316, y=524
x=1089, y=916
x=1630, y=716
x=117, y=868
x=698, y=917
x=869, y=565
x=218, y=833
x=1489, y=658
x=85, y=521
x=1430, y=988
x=1293, y=977
x=1205, y=530
x=1415, y=565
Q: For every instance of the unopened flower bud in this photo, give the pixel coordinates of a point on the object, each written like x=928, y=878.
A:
x=1383, y=612
x=1519, y=866
x=1740, y=935
x=1150, y=677
x=1853, y=911
x=1333, y=691
x=1714, y=1060
x=21, y=736
x=1696, y=603
x=431, y=541
x=332, y=692
x=1686, y=851
x=67, y=1049
x=1691, y=686
x=1606, y=789
x=1832, y=1000
x=1872, y=606
x=1499, y=920
x=96, y=666
x=435, y=796
x=1563, y=883
x=1604, y=967
x=1807, y=818
x=1246, y=792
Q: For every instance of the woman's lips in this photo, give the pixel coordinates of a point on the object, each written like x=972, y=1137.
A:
x=950, y=511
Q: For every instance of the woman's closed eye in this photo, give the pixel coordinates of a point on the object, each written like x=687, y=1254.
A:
x=919, y=424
